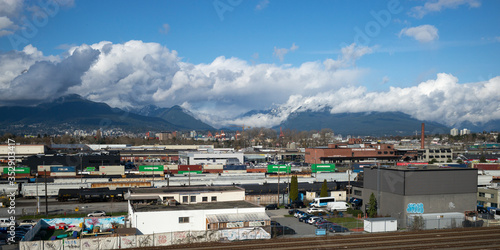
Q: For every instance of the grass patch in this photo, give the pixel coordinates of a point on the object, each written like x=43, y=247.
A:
x=288, y=215
x=348, y=222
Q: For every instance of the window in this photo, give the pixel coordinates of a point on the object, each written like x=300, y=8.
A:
x=192, y=199
x=357, y=192
x=183, y=219
x=184, y=199
x=494, y=204
x=492, y=196
x=482, y=194
x=214, y=198
x=204, y=199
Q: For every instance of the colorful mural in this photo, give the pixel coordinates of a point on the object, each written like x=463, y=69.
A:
x=103, y=222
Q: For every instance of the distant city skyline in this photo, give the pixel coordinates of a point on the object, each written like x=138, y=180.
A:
x=434, y=60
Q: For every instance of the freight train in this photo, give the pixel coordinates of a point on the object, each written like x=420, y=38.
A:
x=84, y=195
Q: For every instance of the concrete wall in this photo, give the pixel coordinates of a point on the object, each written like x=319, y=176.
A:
x=221, y=196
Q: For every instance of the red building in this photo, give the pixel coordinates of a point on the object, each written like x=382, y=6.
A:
x=353, y=151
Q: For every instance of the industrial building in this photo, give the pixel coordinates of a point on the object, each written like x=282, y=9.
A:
x=77, y=161
x=177, y=209
x=352, y=151
x=488, y=196
x=404, y=192
x=212, y=156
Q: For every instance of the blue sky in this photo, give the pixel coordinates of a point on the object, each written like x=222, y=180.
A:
x=374, y=46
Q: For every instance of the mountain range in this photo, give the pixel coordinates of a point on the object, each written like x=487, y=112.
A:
x=75, y=112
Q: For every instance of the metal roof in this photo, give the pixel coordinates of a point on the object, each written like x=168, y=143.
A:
x=237, y=217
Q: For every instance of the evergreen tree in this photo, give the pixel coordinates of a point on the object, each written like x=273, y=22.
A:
x=372, y=206
x=482, y=159
x=324, y=190
x=294, y=188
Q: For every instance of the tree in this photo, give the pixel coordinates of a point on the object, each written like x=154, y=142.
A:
x=372, y=206
x=294, y=188
x=449, y=160
x=459, y=161
x=324, y=190
x=482, y=159
x=432, y=161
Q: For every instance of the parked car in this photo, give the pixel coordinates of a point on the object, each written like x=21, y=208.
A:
x=313, y=219
x=275, y=223
x=295, y=204
x=25, y=227
x=315, y=210
x=28, y=222
x=298, y=213
x=337, y=229
x=272, y=207
x=96, y=214
x=325, y=225
x=305, y=218
x=282, y=230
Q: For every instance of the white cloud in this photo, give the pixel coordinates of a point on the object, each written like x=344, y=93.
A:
x=348, y=57
x=423, y=33
x=439, y=5
x=443, y=100
x=134, y=74
x=385, y=79
x=165, y=28
x=262, y=5
x=281, y=52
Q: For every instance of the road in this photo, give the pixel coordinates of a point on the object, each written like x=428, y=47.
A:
x=28, y=207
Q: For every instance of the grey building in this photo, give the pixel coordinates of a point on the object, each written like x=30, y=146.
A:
x=403, y=192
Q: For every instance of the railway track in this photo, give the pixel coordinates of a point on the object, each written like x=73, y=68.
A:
x=463, y=238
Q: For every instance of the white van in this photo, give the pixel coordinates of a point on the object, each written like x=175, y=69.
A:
x=340, y=206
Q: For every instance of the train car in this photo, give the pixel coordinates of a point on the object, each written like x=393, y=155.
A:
x=66, y=194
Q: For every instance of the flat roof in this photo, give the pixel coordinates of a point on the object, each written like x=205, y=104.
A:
x=177, y=189
x=197, y=206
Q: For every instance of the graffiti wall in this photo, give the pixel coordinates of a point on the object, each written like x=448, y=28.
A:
x=162, y=239
x=103, y=222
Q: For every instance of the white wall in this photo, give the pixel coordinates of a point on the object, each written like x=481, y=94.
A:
x=23, y=149
x=168, y=221
x=238, y=195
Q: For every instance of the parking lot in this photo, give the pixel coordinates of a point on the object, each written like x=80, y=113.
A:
x=302, y=229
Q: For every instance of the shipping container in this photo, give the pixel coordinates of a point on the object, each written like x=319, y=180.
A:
x=170, y=167
x=486, y=166
x=190, y=168
x=281, y=168
x=17, y=170
x=191, y=171
x=89, y=169
x=112, y=170
x=256, y=170
x=42, y=168
x=113, y=185
x=318, y=168
x=213, y=171
x=151, y=168
x=235, y=167
x=63, y=169
x=63, y=174
x=235, y=172
x=213, y=166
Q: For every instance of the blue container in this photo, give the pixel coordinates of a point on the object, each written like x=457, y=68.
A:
x=234, y=167
x=63, y=169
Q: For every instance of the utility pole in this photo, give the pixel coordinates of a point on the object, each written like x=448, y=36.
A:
x=46, y=197
x=37, y=196
x=279, y=185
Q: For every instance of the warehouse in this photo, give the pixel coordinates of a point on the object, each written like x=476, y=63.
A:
x=406, y=191
x=238, y=214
